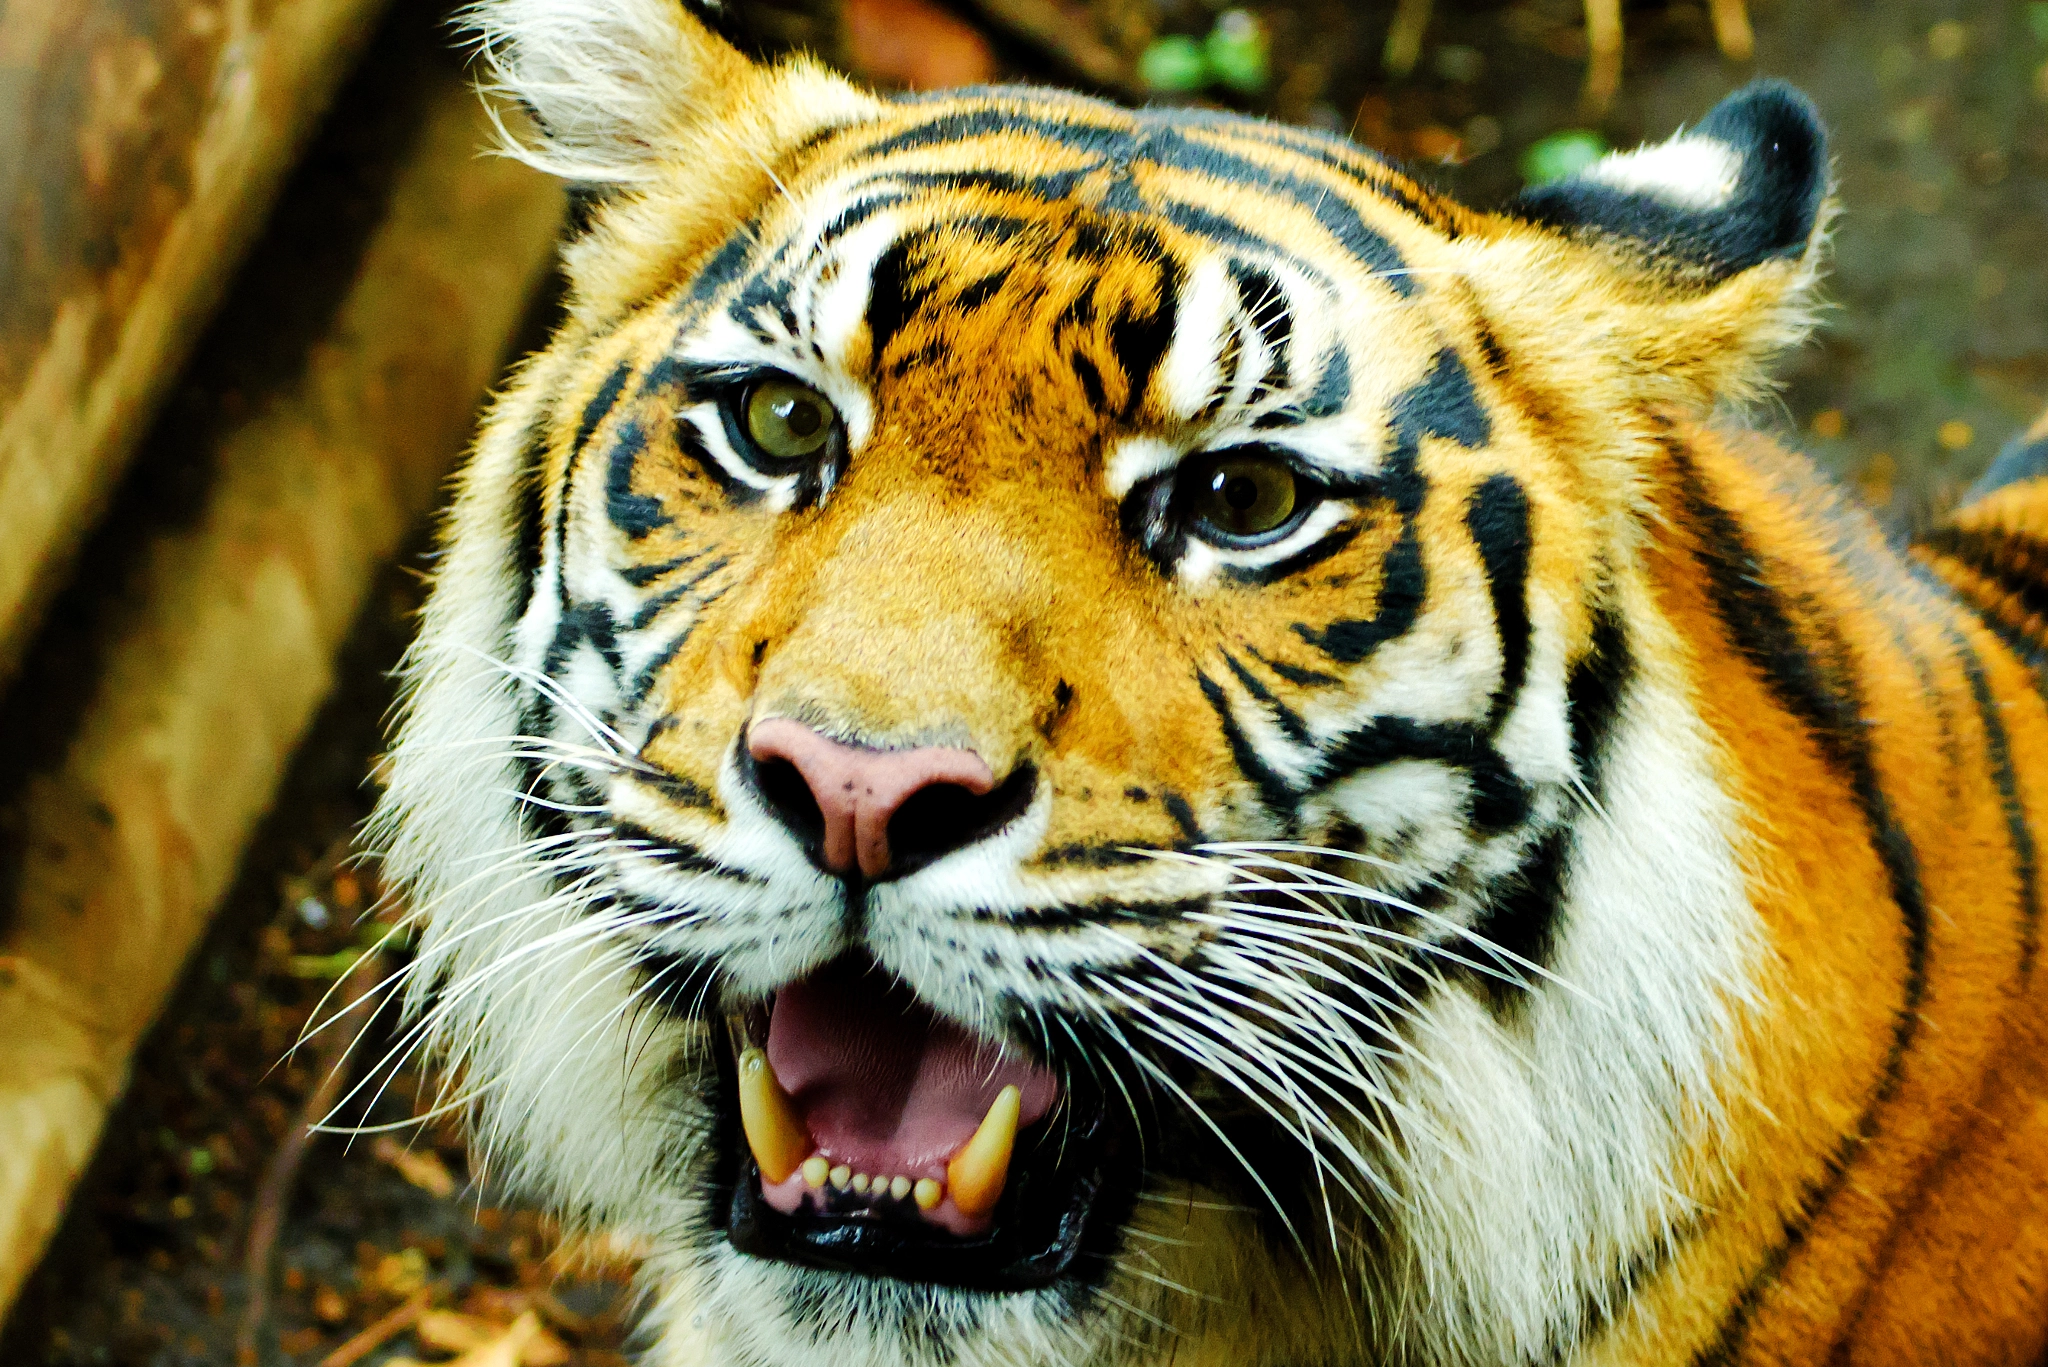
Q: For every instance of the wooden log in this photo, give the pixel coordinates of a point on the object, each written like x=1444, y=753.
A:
x=141, y=142
x=218, y=664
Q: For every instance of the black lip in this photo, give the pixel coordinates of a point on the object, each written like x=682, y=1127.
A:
x=1042, y=1226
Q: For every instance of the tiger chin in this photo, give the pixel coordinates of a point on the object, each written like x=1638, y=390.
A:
x=1056, y=735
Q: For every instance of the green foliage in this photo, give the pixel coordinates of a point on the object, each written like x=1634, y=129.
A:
x=1234, y=55
x=1562, y=154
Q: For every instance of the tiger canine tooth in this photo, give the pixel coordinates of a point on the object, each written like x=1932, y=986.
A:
x=977, y=1173
x=928, y=1193
x=775, y=1134
x=815, y=1169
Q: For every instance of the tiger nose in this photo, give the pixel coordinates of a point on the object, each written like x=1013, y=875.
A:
x=846, y=798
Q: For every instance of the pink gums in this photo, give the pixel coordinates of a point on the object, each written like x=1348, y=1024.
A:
x=887, y=1087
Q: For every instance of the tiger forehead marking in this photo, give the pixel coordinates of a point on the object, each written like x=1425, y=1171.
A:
x=1051, y=735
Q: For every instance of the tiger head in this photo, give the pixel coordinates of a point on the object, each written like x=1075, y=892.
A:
x=1035, y=740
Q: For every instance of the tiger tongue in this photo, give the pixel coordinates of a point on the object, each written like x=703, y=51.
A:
x=883, y=1084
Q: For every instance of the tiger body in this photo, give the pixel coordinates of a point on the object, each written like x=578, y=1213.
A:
x=1565, y=892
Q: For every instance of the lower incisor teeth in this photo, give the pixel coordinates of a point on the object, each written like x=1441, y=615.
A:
x=840, y=1175
x=928, y=1193
x=899, y=1187
x=860, y=1181
x=815, y=1170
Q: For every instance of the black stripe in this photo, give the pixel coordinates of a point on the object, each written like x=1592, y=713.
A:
x=528, y=515
x=1290, y=721
x=1169, y=146
x=1308, y=557
x=1121, y=854
x=632, y=513
x=1403, y=584
x=1522, y=922
x=601, y=405
x=594, y=412
x=1525, y=920
x=1499, y=798
x=981, y=291
x=1593, y=695
x=893, y=297
x=1183, y=816
x=643, y=682
x=1139, y=341
x=2009, y=559
x=582, y=622
x=1155, y=138
x=671, y=855
x=1998, y=752
x=640, y=576
x=1294, y=674
x=648, y=611
x=1818, y=687
x=1078, y=915
x=1274, y=791
x=1443, y=405
x=1266, y=305
x=1498, y=518
x=1091, y=381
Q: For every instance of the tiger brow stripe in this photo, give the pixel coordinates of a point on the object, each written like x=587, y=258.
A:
x=1828, y=706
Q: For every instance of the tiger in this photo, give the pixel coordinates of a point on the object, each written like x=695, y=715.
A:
x=1055, y=735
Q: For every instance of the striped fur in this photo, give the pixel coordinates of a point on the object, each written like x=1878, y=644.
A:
x=1572, y=898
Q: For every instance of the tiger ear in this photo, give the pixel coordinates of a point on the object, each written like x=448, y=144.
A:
x=622, y=92
x=1710, y=243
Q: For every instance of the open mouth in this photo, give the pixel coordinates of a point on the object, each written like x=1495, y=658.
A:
x=887, y=1140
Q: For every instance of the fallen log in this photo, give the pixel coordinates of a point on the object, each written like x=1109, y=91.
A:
x=225, y=646
x=141, y=142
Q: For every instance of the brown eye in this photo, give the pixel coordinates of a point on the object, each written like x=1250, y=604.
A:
x=789, y=421
x=1243, y=498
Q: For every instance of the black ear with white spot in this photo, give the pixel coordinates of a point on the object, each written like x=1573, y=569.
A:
x=1744, y=187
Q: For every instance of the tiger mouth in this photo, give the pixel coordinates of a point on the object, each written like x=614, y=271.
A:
x=877, y=1137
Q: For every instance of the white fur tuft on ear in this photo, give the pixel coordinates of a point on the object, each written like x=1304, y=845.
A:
x=1686, y=172
x=614, y=87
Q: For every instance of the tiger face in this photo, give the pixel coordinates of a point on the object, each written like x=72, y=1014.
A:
x=1039, y=741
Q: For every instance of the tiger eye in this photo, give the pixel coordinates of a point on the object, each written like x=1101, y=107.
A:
x=1245, y=496
x=789, y=421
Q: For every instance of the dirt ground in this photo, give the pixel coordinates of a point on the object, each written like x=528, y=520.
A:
x=1936, y=349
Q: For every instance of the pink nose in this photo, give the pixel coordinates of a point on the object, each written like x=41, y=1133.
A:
x=858, y=791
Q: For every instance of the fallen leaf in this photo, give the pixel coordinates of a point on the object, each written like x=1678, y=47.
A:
x=421, y=1167
x=521, y=1344
x=454, y=1332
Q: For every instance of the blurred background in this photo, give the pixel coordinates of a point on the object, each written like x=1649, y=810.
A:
x=254, y=283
